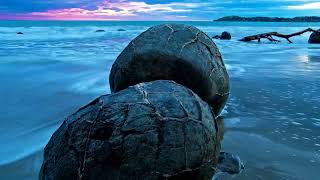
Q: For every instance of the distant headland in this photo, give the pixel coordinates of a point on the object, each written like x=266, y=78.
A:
x=270, y=19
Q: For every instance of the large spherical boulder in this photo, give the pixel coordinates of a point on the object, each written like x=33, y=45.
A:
x=156, y=130
x=175, y=52
x=225, y=35
x=314, y=38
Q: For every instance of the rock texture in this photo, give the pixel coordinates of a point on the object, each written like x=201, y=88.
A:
x=175, y=52
x=314, y=38
x=156, y=130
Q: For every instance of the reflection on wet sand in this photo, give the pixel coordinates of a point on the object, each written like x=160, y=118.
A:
x=229, y=164
x=265, y=159
x=308, y=58
x=313, y=58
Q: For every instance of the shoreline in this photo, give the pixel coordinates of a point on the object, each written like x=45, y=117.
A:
x=307, y=19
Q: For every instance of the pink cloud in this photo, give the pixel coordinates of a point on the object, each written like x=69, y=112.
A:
x=144, y=7
x=82, y=14
x=122, y=10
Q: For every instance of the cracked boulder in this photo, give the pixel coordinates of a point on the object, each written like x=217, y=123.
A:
x=150, y=131
x=314, y=38
x=175, y=52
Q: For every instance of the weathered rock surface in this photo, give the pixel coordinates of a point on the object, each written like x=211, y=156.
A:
x=175, y=52
x=156, y=130
x=314, y=38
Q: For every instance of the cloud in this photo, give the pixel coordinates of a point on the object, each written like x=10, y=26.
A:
x=153, y=9
x=117, y=10
x=82, y=14
x=313, y=6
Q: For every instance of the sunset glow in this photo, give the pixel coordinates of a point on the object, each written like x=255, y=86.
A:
x=150, y=9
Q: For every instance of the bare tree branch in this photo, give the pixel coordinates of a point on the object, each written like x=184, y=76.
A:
x=270, y=34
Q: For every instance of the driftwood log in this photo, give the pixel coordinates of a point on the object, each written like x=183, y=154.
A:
x=270, y=35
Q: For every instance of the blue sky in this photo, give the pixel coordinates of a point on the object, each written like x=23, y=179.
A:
x=153, y=9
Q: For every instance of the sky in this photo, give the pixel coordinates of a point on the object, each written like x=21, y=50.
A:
x=153, y=9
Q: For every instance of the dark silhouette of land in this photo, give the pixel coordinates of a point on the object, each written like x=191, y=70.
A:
x=270, y=19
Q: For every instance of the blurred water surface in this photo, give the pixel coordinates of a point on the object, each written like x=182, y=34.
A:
x=272, y=119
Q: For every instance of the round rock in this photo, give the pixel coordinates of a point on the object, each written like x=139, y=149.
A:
x=225, y=36
x=175, y=52
x=230, y=163
x=156, y=130
x=314, y=38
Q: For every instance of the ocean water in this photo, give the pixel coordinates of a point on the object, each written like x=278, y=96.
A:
x=272, y=119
